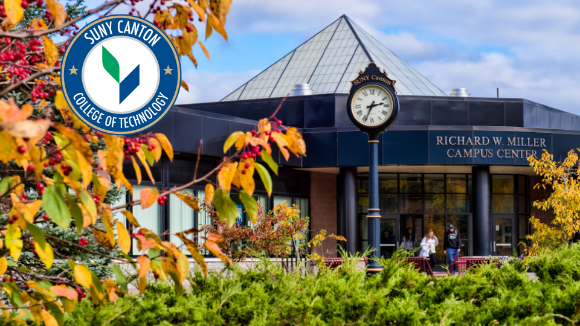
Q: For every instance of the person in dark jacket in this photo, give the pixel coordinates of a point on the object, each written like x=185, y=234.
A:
x=451, y=245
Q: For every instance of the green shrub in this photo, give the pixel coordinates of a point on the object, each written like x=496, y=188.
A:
x=400, y=295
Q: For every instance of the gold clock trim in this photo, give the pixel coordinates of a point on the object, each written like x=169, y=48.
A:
x=384, y=72
x=390, y=113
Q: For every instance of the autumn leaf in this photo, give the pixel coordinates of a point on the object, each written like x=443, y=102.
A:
x=218, y=26
x=137, y=169
x=226, y=175
x=148, y=197
x=3, y=265
x=204, y=49
x=143, y=159
x=57, y=11
x=220, y=9
x=86, y=170
x=209, y=192
x=7, y=25
x=282, y=144
x=166, y=145
x=103, y=238
x=38, y=23
x=144, y=243
x=215, y=249
x=50, y=51
x=48, y=319
x=200, y=12
x=123, y=238
x=63, y=291
x=246, y=175
x=184, y=85
x=131, y=218
x=144, y=266
x=188, y=200
x=295, y=142
x=232, y=139
x=14, y=11
x=83, y=276
x=156, y=151
x=194, y=250
x=26, y=128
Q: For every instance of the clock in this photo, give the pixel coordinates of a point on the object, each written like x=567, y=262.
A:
x=373, y=105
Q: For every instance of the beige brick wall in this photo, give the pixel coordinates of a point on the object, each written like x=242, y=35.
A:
x=323, y=210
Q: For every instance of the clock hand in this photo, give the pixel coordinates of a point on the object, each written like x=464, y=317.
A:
x=370, y=107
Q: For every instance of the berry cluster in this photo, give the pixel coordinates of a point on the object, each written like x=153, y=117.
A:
x=81, y=294
x=40, y=91
x=7, y=278
x=54, y=160
x=97, y=199
x=40, y=188
x=141, y=233
x=252, y=152
x=161, y=200
x=13, y=219
x=158, y=9
x=66, y=169
x=132, y=146
x=83, y=242
x=23, y=196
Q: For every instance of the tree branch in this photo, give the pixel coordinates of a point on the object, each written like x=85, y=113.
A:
x=31, y=77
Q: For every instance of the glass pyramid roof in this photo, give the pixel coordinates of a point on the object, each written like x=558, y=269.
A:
x=329, y=61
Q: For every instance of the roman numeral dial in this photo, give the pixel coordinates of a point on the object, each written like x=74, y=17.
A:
x=372, y=105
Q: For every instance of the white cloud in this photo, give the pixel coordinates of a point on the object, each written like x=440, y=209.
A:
x=207, y=86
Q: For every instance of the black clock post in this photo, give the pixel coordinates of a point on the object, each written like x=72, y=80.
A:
x=372, y=82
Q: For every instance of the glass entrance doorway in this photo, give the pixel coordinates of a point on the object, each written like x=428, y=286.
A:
x=411, y=224
x=502, y=236
x=389, y=241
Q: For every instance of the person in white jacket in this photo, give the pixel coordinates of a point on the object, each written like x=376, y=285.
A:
x=428, y=245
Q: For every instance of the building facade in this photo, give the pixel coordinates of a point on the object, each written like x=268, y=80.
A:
x=460, y=160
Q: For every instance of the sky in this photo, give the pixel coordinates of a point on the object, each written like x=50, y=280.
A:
x=528, y=49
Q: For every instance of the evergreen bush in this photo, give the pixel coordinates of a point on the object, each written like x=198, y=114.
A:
x=400, y=295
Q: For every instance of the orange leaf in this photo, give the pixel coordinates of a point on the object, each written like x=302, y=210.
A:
x=50, y=51
x=131, y=218
x=282, y=144
x=209, y=191
x=49, y=320
x=184, y=85
x=64, y=292
x=57, y=11
x=144, y=243
x=204, y=49
x=143, y=159
x=166, y=145
x=14, y=11
x=148, y=197
x=226, y=175
x=188, y=200
x=137, y=169
x=123, y=238
x=144, y=265
x=215, y=249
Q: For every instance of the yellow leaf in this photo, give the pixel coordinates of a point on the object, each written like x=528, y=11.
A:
x=57, y=11
x=148, y=197
x=157, y=151
x=86, y=169
x=131, y=218
x=166, y=145
x=59, y=101
x=282, y=144
x=115, y=154
x=137, y=169
x=295, y=142
x=182, y=267
x=215, y=249
x=241, y=142
x=226, y=175
x=194, y=250
x=121, y=177
x=220, y=9
x=188, y=200
x=45, y=254
x=50, y=51
x=14, y=11
x=13, y=241
x=209, y=26
x=184, y=85
x=144, y=266
x=3, y=265
x=77, y=141
x=192, y=58
x=63, y=291
x=232, y=139
x=209, y=191
x=218, y=26
x=123, y=238
x=200, y=12
x=83, y=276
x=26, y=128
x=102, y=238
x=143, y=160
x=204, y=49
x=111, y=288
x=38, y=23
x=7, y=26
x=182, y=16
x=49, y=320
x=246, y=175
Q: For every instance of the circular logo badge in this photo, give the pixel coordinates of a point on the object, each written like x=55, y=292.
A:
x=121, y=74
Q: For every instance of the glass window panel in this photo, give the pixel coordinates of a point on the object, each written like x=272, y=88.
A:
x=363, y=231
x=457, y=183
x=388, y=203
x=460, y=223
x=149, y=218
x=456, y=203
x=411, y=183
x=502, y=184
x=388, y=183
x=434, y=203
x=434, y=183
x=181, y=216
x=302, y=204
x=388, y=237
x=523, y=205
x=522, y=184
x=281, y=199
x=464, y=248
x=469, y=183
x=437, y=224
x=502, y=203
x=411, y=204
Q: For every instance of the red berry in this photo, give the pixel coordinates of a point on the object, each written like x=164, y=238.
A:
x=99, y=134
x=11, y=279
x=45, y=217
x=258, y=154
x=133, y=235
x=244, y=156
x=46, y=164
x=23, y=196
x=34, y=251
x=86, y=138
x=10, y=221
x=247, y=165
x=21, y=149
x=24, y=4
x=64, y=166
x=127, y=141
x=155, y=275
x=279, y=122
x=127, y=157
x=243, y=171
x=253, y=132
x=30, y=168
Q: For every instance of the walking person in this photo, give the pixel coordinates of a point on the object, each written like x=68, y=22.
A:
x=408, y=240
x=452, y=246
x=428, y=245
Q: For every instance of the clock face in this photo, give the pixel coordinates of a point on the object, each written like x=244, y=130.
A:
x=371, y=105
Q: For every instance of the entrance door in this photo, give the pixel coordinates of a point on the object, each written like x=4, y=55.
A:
x=415, y=223
x=388, y=237
x=502, y=236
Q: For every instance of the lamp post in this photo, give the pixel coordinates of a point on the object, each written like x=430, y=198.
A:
x=374, y=216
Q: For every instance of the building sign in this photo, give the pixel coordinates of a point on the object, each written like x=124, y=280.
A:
x=517, y=147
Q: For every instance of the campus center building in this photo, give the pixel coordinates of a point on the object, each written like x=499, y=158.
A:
x=448, y=159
